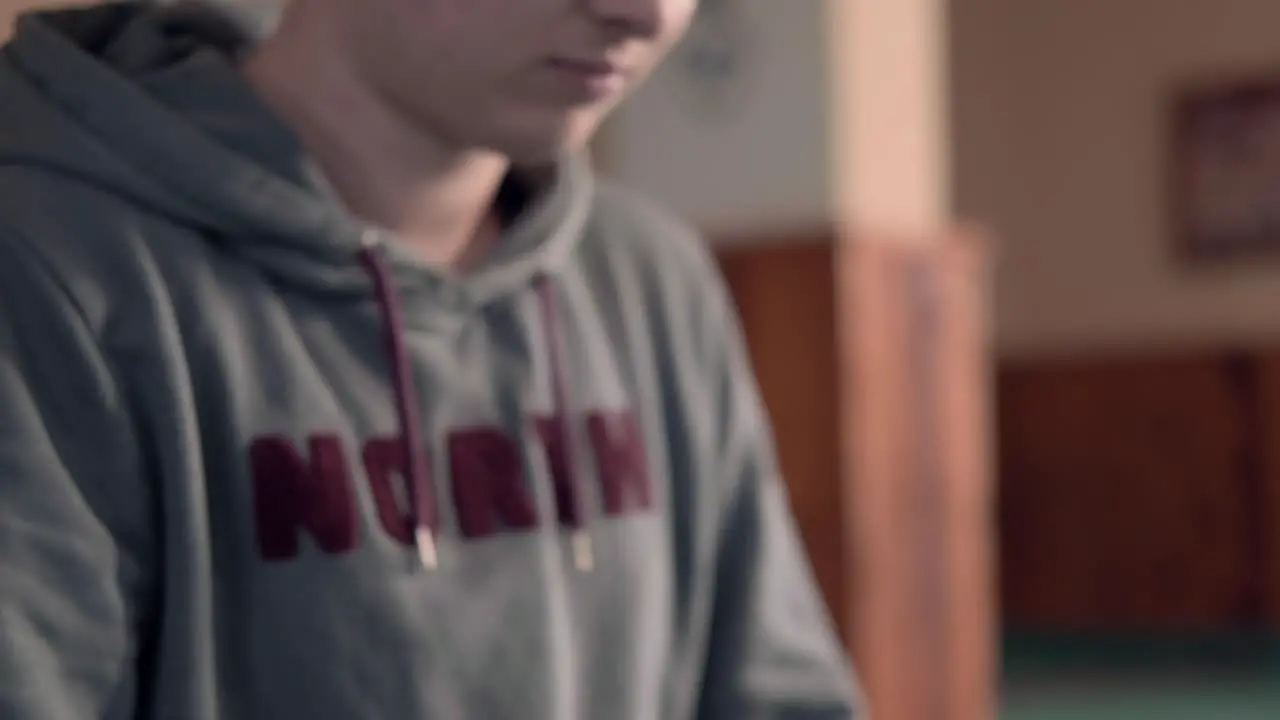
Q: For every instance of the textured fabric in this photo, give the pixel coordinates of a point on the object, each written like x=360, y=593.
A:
x=204, y=512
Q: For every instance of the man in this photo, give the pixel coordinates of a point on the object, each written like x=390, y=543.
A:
x=334, y=387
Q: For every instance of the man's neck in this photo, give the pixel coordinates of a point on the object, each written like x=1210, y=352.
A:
x=386, y=170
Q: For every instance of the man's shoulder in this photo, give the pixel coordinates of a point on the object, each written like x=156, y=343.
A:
x=46, y=203
x=643, y=261
x=629, y=228
x=87, y=240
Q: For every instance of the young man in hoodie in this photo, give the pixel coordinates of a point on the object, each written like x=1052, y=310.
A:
x=333, y=385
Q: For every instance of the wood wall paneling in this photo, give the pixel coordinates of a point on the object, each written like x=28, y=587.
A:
x=1267, y=497
x=1124, y=499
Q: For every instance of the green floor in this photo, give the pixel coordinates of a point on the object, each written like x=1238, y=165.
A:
x=1206, y=678
x=1136, y=699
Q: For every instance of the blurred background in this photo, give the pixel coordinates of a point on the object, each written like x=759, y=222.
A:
x=1008, y=271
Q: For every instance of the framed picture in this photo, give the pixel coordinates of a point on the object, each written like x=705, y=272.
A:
x=1226, y=170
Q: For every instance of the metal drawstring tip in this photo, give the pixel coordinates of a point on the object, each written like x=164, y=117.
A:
x=426, y=548
x=583, y=553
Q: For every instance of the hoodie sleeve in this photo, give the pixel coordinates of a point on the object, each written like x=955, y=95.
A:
x=70, y=504
x=774, y=652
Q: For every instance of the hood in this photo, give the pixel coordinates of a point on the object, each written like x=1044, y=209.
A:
x=145, y=102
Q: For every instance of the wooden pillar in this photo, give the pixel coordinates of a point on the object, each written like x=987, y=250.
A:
x=872, y=360
x=916, y=476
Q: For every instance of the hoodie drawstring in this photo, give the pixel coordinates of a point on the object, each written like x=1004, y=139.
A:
x=568, y=486
x=418, y=472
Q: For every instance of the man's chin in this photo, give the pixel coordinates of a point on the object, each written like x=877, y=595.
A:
x=550, y=141
x=534, y=155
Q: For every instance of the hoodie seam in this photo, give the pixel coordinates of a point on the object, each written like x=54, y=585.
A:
x=27, y=247
x=22, y=244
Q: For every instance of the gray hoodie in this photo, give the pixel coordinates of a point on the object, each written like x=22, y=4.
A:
x=256, y=461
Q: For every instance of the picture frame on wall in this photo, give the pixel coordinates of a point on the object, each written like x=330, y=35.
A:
x=1226, y=170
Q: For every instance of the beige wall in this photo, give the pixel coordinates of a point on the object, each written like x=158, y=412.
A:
x=767, y=161
x=842, y=118
x=1061, y=146
x=892, y=138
